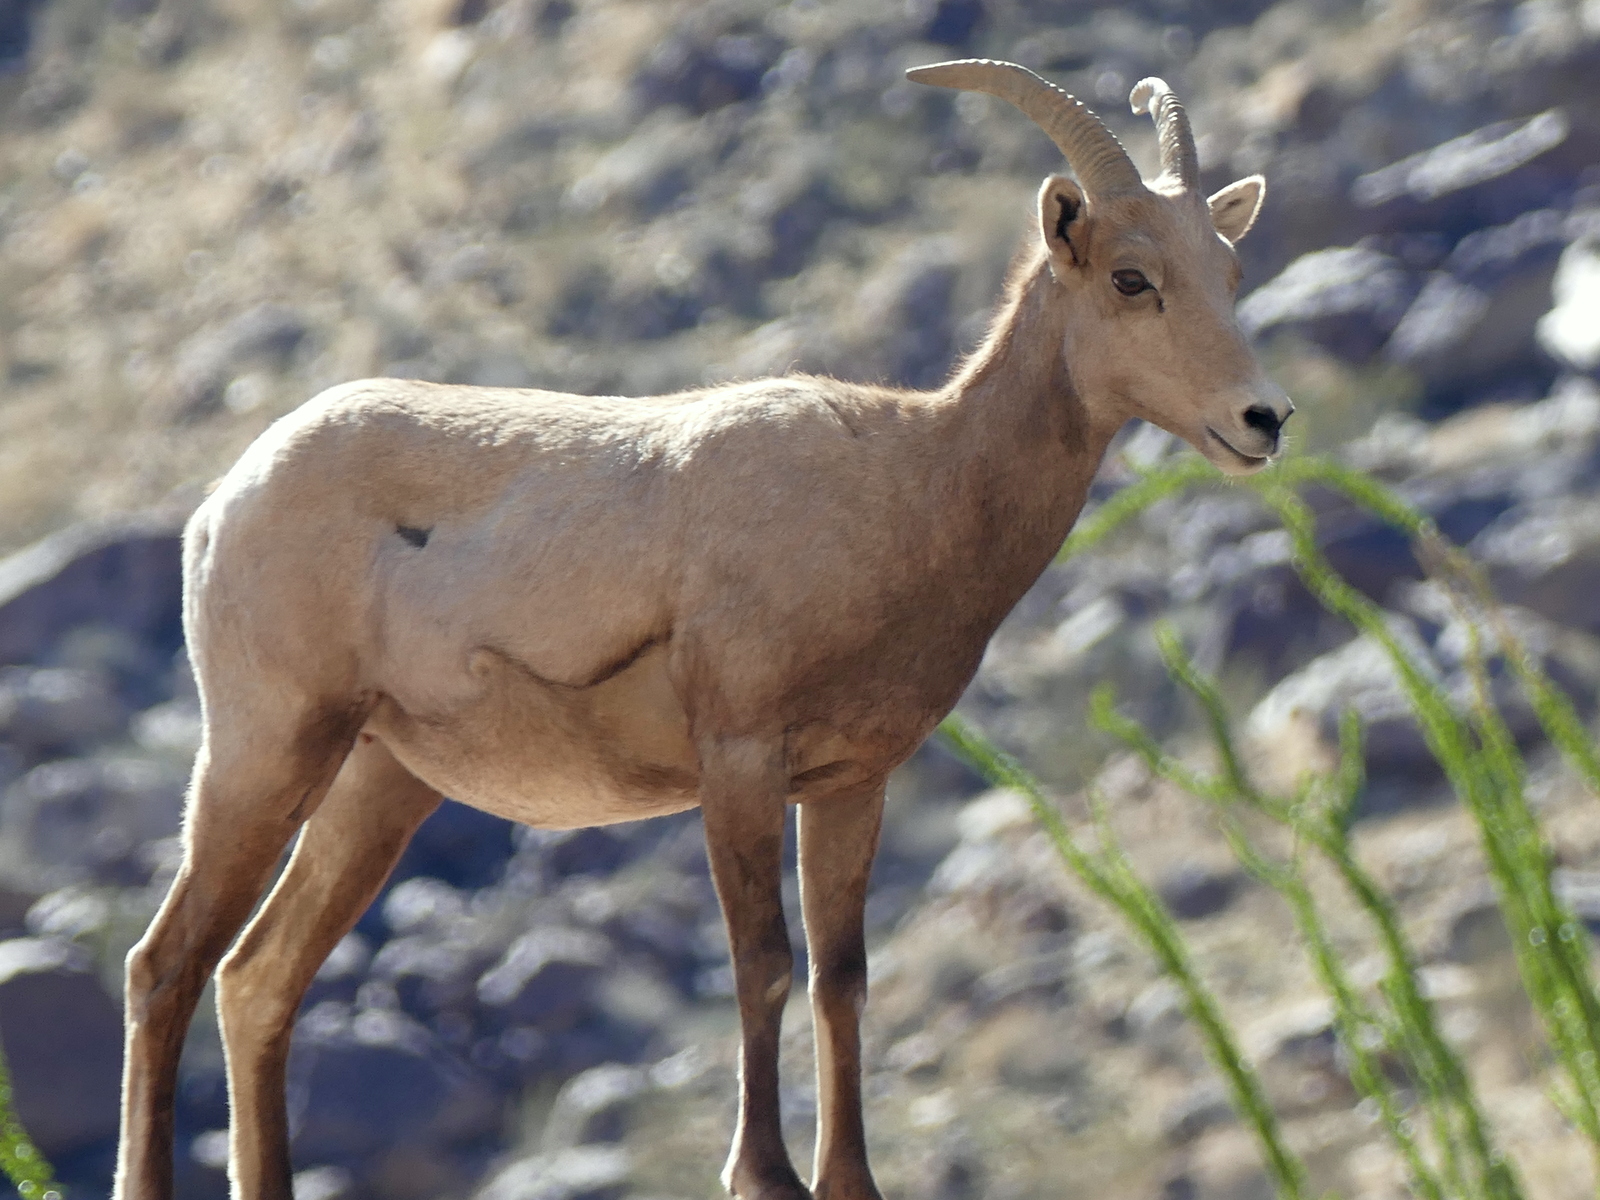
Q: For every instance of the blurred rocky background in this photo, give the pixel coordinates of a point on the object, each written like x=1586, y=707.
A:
x=210, y=209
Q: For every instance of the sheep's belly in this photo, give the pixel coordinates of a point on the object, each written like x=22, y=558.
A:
x=549, y=755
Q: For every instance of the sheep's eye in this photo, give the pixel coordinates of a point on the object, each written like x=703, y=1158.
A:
x=1130, y=282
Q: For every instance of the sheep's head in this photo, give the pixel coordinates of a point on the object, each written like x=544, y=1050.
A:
x=1148, y=269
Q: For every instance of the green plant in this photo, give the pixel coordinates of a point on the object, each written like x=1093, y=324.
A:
x=1481, y=761
x=27, y=1169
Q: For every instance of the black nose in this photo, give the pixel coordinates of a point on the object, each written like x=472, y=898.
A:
x=1263, y=420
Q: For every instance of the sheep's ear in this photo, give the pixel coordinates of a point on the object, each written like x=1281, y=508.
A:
x=1064, y=222
x=1234, y=208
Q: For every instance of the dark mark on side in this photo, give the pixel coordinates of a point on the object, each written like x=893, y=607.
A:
x=417, y=537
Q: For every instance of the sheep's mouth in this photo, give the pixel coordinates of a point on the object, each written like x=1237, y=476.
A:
x=1250, y=462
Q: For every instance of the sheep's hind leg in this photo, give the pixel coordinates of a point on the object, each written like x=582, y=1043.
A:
x=344, y=854
x=743, y=790
x=244, y=805
x=838, y=837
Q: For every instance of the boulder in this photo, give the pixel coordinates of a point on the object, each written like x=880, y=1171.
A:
x=593, y=1106
x=1480, y=179
x=81, y=819
x=459, y=846
x=1348, y=300
x=702, y=69
x=1546, y=557
x=547, y=978
x=1192, y=890
x=1571, y=330
x=364, y=1082
x=1470, y=329
x=266, y=335
x=125, y=574
x=63, y=1043
x=430, y=974
x=576, y=1173
x=52, y=711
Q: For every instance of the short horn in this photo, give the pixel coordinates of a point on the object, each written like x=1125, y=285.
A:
x=1099, y=160
x=1178, y=156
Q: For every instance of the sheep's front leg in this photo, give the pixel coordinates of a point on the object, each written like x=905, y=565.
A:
x=742, y=794
x=838, y=837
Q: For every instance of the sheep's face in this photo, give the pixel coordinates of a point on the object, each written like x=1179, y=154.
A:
x=1151, y=281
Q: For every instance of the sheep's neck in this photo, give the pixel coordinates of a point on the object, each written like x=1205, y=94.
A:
x=1025, y=445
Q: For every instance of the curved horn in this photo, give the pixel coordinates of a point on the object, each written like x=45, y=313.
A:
x=1093, y=150
x=1178, y=156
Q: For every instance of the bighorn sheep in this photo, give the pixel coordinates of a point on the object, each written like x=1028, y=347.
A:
x=573, y=611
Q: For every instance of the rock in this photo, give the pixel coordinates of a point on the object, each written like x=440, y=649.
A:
x=459, y=846
x=1471, y=328
x=124, y=574
x=593, y=1106
x=1193, y=889
x=1571, y=330
x=652, y=169
x=547, y=978
x=1546, y=557
x=58, y=711
x=323, y=1183
x=1482, y=178
x=77, y=819
x=422, y=905
x=1157, y=1010
x=1347, y=299
x=565, y=852
x=1042, y=977
x=1475, y=929
x=173, y=729
x=1580, y=892
x=952, y=1169
x=266, y=335
x=1204, y=1106
x=363, y=1083
x=63, y=1043
x=702, y=70
x=430, y=975
x=907, y=308
x=1360, y=676
x=341, y=973
x=575, y=1173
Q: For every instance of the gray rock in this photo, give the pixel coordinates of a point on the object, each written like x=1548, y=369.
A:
x=423, y=904
x=1571, y=329
x=124, y=574
x=1193, y=890
x=78, y=819
x=266, y=335
x=1546, y=557
x=576, y=1173
x=1471, y=328
x=548, y=977
x=429, y=974
x=951, y=1171
x=1202, y=1107
x=594, y=1106
x=342, y=972
x=63, y=1043
x=1580, y=892
x=1481, y=178
x=323, y=1183
x=58, y=710
x=1475, y=930
x=1347, y=299
x=364, y=1083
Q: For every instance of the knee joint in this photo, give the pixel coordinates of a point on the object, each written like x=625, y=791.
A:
x=842, y=979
